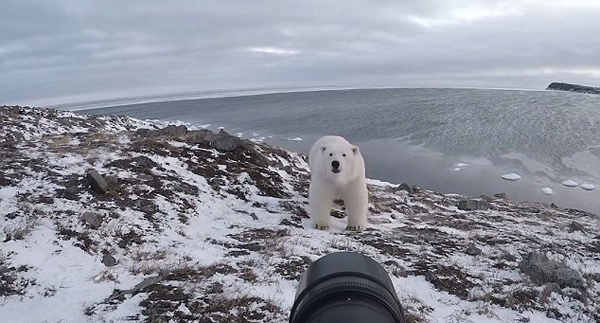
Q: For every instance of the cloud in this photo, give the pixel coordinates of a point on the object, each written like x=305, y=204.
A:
x=97, y=49
x=274, y=51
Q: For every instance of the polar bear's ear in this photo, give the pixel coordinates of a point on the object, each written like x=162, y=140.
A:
x=355, y=150
x=323, y=148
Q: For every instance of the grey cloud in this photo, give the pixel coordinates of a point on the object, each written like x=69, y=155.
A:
x=107, y=48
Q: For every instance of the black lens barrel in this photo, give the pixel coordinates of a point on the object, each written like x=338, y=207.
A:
x=346, y=287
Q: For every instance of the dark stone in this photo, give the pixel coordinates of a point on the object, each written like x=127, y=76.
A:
x=573, y=88
x=96, y=181
x=473, y=204
x=486, y=198
x=199, y=136
x=108, y=260
x=472, y=250
x=253, y=216
x=542, y=270
x=144, y=161
x=94, y=220
x=405, y=187
x=226, y=142
x=168, y=131
x=500, y=196
x=576, y=226
x=47, y=199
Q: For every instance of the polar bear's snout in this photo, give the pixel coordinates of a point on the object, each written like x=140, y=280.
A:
x=335, y=166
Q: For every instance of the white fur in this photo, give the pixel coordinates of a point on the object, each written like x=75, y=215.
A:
x=348, y=185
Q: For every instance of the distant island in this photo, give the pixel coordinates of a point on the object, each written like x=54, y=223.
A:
x=556, y=86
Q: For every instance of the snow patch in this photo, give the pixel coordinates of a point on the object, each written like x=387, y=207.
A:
x=511, y=177
x=570, y=183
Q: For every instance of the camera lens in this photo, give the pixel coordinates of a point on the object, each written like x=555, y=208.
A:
x=346, y=287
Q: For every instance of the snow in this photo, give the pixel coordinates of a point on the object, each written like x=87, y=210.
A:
x=547, y=191
x=570, y=183
x=587, y=187
x=511, y=177
x=460, y=166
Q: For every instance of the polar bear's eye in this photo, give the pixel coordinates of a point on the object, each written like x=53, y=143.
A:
x=330, y=154
x=344, y=155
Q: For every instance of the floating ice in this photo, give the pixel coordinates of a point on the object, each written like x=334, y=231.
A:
x=461, y=165
x=295, y=139
x=587, y=187
x=547, y=190
x=511, y=177
x=570, y=183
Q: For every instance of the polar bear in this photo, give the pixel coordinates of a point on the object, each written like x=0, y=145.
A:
x=337, y=171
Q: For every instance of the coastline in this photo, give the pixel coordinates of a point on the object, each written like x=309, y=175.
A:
x=214, y=219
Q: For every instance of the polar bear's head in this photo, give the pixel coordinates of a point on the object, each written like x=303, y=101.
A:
x=339, y=161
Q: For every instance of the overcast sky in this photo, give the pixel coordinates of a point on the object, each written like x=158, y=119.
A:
x=68, y=51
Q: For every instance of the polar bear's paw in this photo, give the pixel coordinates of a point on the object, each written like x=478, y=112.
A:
x=322, y=226
x=354, y=228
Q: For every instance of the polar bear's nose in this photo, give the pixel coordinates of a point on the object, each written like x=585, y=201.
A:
x=335, y=164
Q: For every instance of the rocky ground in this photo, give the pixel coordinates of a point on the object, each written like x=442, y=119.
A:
x=112, y=219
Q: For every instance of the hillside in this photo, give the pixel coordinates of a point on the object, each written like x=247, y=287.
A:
x=573, y=88
x=193, y=226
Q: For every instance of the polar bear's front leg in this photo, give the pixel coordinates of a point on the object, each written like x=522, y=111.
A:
x=319, y=207
x=357, y=206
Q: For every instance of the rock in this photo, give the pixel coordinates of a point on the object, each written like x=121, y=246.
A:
x=94, y=220
x=108, y=260
x=557, y=86
x=145, y=177
x=472, y=250
x=168, y=131
x=405, y=187
x=473, y=204
x=137, y=288
x=548, y=290
x=396, y=268
x=253, y=216
x=96, y=181
x=576, y=226
x=144, y=161
x=199, y=136
x=143, y=132
x=486, y=198
x=570, y=183
x=226, y=142
x=511, y=177
x=542, y=270
x=500, y=196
